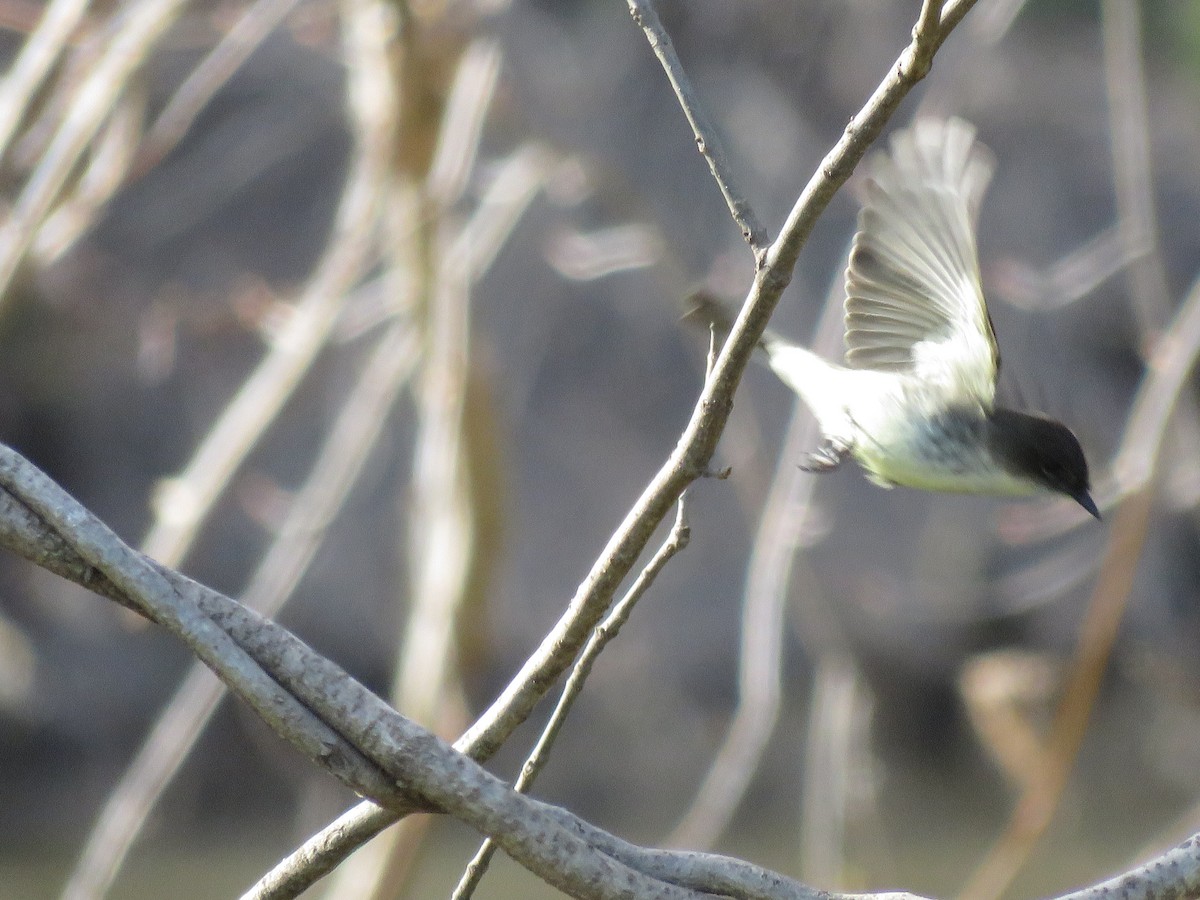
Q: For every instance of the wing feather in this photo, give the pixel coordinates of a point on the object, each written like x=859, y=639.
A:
x=913, y=296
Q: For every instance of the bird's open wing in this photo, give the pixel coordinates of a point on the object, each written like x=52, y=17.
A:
x=913, y=296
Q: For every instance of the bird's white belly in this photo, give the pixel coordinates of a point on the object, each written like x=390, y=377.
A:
x=902, y=437
x=896, y=427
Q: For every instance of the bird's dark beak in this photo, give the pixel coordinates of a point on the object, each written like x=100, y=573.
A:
x=1085, y=500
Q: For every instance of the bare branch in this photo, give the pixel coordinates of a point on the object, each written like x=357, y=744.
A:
x=265, y=656
x=1175, y=873
x=676, y=541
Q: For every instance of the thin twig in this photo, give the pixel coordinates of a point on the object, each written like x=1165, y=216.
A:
x=1129, y=131
x=108, y=161
x=441, y=514
x=707, y=139
x=462, y=124
x=931, y=19
x=862, y=131
x=676, y=541
x=837, y=737
x=513, y=187
x=110, y=171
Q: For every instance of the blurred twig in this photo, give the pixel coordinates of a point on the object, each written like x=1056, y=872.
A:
x=440, y=523
x=1133, y=178
x=509, y=195
x=184, y=501
x=1167, y=368
x=109, y=158
x=1171, y=358
x=447, y=553
x=138, y=30
x=257, y=21
x=837, y=739
x=1044, y=789
x=1137, y=232
x=335, y=471
x=38, y=55
x=1129, y=131
x=1072, y=276
x=122, y=151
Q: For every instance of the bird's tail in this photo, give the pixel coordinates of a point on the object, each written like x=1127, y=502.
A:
x=821, y=385
x=707, y=312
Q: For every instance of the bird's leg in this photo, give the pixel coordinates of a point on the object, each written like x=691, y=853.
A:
x=831, y=454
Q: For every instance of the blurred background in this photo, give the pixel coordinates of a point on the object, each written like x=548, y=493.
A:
x=368, y=314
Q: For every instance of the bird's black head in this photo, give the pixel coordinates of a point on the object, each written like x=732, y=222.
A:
x=1042, y=450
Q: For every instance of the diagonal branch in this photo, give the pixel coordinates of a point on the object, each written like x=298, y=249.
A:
x=341, y=725
x=676, y=541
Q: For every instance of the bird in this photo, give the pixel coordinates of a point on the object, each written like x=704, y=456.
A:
x=915, y=402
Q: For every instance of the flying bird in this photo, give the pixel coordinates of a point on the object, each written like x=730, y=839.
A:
x=915, y=402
